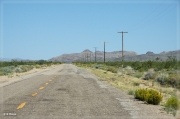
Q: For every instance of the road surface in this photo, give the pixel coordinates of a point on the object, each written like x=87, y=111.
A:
x=67, y=92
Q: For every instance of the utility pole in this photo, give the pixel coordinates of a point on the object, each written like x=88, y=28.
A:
x=122, y=47
x=104, y=50
x=95, y=54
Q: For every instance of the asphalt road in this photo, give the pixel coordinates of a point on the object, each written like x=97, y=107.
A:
x=64, y=92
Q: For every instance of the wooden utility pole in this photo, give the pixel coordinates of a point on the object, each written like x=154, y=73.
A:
x=95, y=54
x=122, y=47
x=104, y=51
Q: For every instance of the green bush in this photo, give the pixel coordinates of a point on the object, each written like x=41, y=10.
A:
x=172, y=103
x=131, y=92
x=7, y=70
x=153, y=97
x=149, y=95
x=37, y=66
x=140, y=94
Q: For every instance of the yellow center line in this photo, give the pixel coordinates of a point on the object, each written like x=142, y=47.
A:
x=50, y=80
x=41, y=88
x=46, y=83
x=34, y=94
x=21, y=105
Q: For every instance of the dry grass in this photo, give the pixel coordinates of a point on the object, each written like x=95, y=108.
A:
x=129, y=83
x=126, y=83
x=15, y=75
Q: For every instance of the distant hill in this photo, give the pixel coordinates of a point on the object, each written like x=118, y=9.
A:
x=8, y=59
x=88, y=55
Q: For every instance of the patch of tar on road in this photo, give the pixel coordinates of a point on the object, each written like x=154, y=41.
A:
x=47, y=100
x=63, y=89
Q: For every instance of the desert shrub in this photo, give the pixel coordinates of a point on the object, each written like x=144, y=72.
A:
x=49, y=64
x=97, y=66
x=162, y=78
x=7, y=70
x=131, y=92
x=30, y=67
x=44, y=65
x=24, y=68
x=136, y=84
x=149, y=75
x=174, y=80
x=37, y=66
x=18, y=70
x=41, y=62
x=149, y=95
x=172, y=105
x=153, y=97
x=140, y=94
x=112, y=69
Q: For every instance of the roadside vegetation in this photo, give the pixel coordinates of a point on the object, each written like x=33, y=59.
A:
x=154, y=82
x=9, y=68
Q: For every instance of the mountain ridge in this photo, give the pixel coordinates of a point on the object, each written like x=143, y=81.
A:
x=88, y=55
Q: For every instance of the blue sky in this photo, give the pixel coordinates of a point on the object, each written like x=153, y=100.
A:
x=42, y=29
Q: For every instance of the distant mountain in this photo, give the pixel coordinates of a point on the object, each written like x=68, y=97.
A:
x=16, y=59
x=88, y=55
x=9, y=59
x=149, y=53
x=5, y=59
x=151, y=56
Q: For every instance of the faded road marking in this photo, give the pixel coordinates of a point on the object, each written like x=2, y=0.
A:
x=34, y=94
x=46, y=83
x=21, y=105
x=50, y=80
x=41, y=88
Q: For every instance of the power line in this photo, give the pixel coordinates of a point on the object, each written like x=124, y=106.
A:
x=145, y=17
x=155, y=18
